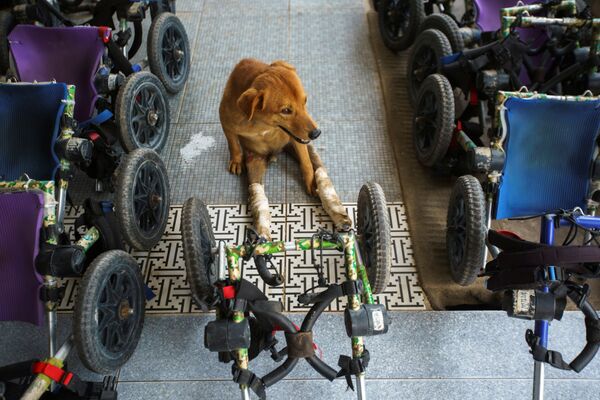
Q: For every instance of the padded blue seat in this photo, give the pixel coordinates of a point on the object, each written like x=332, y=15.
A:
x=30, y=117
x=549, y=148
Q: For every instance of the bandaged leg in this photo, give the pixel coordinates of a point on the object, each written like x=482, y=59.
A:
x=259, y=206
x=329, y=197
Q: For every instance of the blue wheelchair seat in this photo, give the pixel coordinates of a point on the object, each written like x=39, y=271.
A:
x=549, y=148
x=30, y=116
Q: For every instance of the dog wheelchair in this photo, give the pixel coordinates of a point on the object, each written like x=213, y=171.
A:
x=247, y=321
x=439, y=45
x=38, y=156
x=453, y=108
x=543, y=163
x=168, y=48
x=139, y=104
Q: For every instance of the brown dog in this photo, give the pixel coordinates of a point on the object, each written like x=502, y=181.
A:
x=262, y=111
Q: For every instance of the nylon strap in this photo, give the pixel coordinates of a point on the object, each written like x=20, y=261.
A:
x=353, y=366
x=348, y=288
x=251, y=380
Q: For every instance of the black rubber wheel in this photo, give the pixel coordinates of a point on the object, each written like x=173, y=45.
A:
x=142, y=198
x=433, y=122
x=466, y=230
x=373, y=228
x=399, y=22
x=169, y=54
x=448, y=26
x=161, y=6
x=198, y=242
x=142, y=112
x=7, y=23
x=109, y=311
x=424, y=59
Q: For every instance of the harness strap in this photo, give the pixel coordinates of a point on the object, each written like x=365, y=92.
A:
x=353, y=366
x=348, y=288
x=592, y=325
x=251, y=380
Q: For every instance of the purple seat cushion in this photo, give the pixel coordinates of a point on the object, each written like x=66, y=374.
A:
x=71, y=55
x=21, y=217
x=488, y=12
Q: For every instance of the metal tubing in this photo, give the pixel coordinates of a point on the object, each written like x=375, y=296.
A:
x=41, y=382
x=360, y=387
x=245, y=393
x=541, y=327
x=586, y=221
x=62, y=203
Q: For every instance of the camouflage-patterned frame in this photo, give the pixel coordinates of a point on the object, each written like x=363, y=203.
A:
x=355, y=270
x=53, y=224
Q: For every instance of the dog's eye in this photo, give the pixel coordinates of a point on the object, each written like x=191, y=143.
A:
x=286, y=111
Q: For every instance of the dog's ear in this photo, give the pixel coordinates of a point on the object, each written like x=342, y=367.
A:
x=280, y=63
x=250, y=100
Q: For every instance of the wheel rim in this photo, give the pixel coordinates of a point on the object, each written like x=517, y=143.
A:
x=147, y=123
x=118, y=311
x=149, y=199
x=457, y=231
x=174, y=54
x=396, y=19
x=424, y=64
x=426, y=124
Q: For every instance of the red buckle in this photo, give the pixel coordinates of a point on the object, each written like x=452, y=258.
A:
x=474, y=98
x=105, y=34
x=458, y=125
x=93, y=136
x=51, y=371
x=229, y=292
x=510, y=234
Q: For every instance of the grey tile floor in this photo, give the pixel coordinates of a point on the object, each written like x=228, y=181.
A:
x=425, y=355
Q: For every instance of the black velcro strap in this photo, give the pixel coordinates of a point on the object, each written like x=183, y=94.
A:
x=300, y=344
x=248, y=378
x=353, y=366
x=540, y=353
x=348, y=288
x=248, y=291
x=592, y=328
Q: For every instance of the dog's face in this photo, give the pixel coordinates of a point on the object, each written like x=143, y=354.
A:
x=277, y=99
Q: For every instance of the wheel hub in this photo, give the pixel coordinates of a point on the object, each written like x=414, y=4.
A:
x=152, y=117
x=125, y=310
x=154, y=200
x=178, y=54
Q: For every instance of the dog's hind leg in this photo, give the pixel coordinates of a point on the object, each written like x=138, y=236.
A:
x=329, y=197
x=259, y=204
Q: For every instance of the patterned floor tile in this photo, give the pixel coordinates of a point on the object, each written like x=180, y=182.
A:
x=163, y=267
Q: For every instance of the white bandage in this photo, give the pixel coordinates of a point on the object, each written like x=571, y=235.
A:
x=330, y=200
x=259, y=206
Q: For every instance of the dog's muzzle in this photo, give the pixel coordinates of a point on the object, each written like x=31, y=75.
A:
x=296, y=138
x=315, y=133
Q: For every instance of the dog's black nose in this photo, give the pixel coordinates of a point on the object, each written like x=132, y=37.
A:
x=315, y=133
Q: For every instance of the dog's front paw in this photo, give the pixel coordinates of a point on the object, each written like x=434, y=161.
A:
x=310, y=184
x=235, y=166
